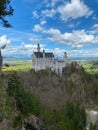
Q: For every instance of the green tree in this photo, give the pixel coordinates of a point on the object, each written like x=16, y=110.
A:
x=93, y=127
x=5, y=10
x=75, y=116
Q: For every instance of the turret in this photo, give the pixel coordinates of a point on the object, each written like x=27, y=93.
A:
x=38, y=47
x=43, y=53
x=65, y=56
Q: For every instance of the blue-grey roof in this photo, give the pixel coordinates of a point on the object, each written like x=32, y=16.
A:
x=40, y=54
x=49, y=54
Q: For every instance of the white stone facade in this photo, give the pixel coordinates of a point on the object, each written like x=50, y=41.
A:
x=43, y=60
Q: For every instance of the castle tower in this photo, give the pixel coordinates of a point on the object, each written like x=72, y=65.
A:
x=43, y=53
x=38, y=47
x=65, y=56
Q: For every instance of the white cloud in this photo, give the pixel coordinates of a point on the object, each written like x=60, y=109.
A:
x=94, y=29
x=84, y=53
x=37, y=28
x=23, y=50
x=59, y=52
x=26, y=50
x=51, y=3
x=52, y=31
x=76, y=46
x=73, y=25
x=54, y=2
x=95, y=26
x=95, y=40
x=76, y=39
x=43, y=22
x=35, y=14
x=67, y=10
x=74, y=9
x=35, y=39
x=95, y=18
x=4, y=40
x=49, y=13
x=79, y=36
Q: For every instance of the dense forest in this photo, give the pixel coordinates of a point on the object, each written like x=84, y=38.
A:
x=43, y=100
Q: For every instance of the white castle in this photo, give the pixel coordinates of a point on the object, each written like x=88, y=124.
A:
x=43, y=60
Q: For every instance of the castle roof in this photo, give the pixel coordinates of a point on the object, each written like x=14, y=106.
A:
x=46, y=54
x=38, y=54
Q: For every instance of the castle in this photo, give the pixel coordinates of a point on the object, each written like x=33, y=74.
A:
x=43, y=60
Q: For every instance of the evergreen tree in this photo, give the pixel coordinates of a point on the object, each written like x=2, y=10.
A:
x=5, y=10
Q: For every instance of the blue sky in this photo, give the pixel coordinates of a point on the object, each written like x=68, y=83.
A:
x=58, y=25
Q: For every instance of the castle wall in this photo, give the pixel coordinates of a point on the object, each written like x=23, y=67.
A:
x=42, y=60
x=42, y=63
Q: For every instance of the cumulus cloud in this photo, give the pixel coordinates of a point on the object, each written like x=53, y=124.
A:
x=23, y=50
x=95, y=26
x=52, y=31
x=49, y=13
x=26, y=50
x=74, y=9
x=68, y=10
x=73, y=25
x=57, y=51
x=35, y=14
x=4, y=40
x=76, y=46
x=54, y=2
x=51, y=3
x=76, y=39
x=37, y=28
x=43, y=22
x=95, y=18
x=84, y=53
x=35, y=39
x=94, y=29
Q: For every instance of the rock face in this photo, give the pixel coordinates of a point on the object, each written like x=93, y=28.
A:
x=92, y=116
x=32, y=123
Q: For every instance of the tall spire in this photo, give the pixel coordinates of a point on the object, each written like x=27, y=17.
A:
x=38, y=47
x=65, y=56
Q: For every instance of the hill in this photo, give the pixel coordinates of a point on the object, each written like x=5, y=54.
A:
x=55, y=102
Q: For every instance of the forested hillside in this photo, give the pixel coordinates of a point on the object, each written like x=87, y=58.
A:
x=44, y=100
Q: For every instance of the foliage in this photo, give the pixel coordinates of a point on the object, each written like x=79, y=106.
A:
x=5, y=10
x=72, y=117
x=6, y=64
x=26, y=88
x=26, y=102
x=75, y=114
x=93, y=127
x=91, y=67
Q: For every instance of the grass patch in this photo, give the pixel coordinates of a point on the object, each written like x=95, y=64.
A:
x=90, y=67
x=18, y=66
